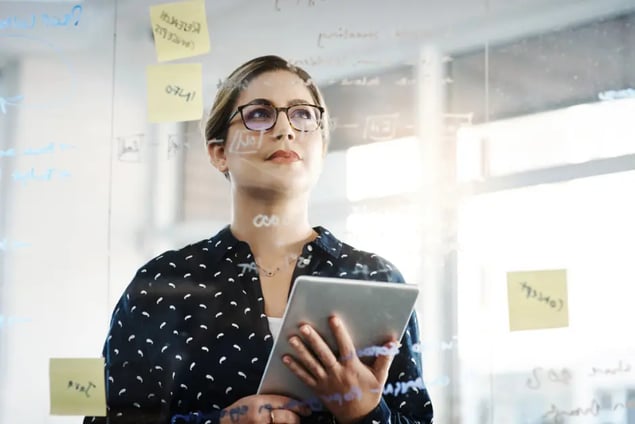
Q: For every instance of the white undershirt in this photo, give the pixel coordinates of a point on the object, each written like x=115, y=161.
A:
x=274, y=326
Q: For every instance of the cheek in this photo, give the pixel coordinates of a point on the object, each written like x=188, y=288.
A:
x=243, y=142
x=316, y=155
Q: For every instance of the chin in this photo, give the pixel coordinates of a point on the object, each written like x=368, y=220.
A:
x=288, y=186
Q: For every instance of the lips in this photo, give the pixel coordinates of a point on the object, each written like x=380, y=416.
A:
x=284, y=155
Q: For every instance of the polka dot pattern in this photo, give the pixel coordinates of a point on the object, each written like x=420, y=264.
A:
x=189, y=335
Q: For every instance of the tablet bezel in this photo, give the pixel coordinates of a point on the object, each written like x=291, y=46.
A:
x=373, y=313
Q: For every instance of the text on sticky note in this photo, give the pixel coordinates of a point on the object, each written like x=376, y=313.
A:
x=77, y=386
x=174, y=92
x=537, y=299
x=180, y=30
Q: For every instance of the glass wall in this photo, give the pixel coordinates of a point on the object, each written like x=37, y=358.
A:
x=476, y=144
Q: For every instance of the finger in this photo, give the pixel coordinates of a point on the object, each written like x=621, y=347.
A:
x=382, y=363
x=319, y=346
x=300, y=372
x=283, y=416
x=297, y=406
x=344, y=340
x=306, y=358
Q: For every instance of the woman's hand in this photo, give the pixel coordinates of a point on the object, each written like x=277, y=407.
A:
x=348, y=388
x=259, y=409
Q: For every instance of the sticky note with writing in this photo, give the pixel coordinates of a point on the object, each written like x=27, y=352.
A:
x=77, y=386
x=180, y=29
x=174, y=92
x=537, y=299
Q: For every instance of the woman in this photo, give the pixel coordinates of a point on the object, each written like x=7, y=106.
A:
x=190, y=336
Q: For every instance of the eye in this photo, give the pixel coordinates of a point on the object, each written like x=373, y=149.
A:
x=258, y=113
x=303, y=112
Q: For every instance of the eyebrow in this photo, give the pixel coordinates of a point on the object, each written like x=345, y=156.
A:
x=292, y=102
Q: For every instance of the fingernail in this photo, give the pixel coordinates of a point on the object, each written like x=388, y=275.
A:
x=336, y=321
x=306, y=329
x=286, y=360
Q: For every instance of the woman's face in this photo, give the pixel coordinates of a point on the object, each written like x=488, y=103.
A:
x=281, y=159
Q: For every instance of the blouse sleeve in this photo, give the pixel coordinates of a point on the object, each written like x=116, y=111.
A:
x=405, y=398
x=135, y=393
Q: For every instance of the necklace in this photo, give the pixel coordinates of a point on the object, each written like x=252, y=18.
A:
x=270, y=274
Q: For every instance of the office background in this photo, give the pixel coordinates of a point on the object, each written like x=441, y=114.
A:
x=470, y=139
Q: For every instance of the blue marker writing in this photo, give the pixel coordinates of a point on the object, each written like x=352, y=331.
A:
x=9, y=101
x=50, y=148
x=5, y=245
x=32, y=176
x=68, y=18
x=9, y=320
x=7, y=153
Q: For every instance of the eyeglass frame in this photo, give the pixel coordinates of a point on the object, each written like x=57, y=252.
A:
x=240, y=108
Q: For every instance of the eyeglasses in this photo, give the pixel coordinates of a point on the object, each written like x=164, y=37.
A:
x=263, y=116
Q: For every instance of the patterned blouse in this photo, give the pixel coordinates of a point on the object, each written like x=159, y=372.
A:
x=189, y=335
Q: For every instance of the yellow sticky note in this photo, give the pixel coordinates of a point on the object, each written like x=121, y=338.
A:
x=180, y=29
x=77, y=386
x=174, y=92
x=537, y=299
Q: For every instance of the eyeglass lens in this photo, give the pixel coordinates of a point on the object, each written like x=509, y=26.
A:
x=263, y=117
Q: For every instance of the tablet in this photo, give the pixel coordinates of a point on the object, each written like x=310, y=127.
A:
x=371, y=311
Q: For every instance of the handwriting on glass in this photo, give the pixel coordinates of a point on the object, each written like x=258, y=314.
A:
x=532, y=293
x=245, y=142
x=253, y=267
x=9, y=101
x=248, y=267
x=72, y=17
x=130, y=148
x=176, y=143
x=48, y=149
x=309, y=3
x=345, y=34
x=266, y=221
x=617, y=94
x=313, y=402
x=621, y=368
x=32, y=175
x=416, y=347
x=226, y=84
x=6, y=246
x=563, y=376
x=178, y=91
x=381, y=127
x=363, y=81
x=7, y=320
x=558, y=415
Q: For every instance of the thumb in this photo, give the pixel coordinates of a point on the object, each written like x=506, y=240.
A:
x=384, y=360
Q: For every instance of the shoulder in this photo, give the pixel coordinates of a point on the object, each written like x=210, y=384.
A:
x=361, y=264
x=177, y=266
x=169, y=261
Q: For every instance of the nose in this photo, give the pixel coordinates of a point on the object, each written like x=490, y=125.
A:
x=282, y=128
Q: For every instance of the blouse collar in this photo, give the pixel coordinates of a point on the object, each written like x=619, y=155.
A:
x=325, y=240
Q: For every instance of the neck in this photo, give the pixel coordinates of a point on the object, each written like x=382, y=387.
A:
x=273, y=226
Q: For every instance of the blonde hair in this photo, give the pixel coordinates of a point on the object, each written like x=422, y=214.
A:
x=224, y=105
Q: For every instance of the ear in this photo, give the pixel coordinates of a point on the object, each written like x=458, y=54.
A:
x=217, y=156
